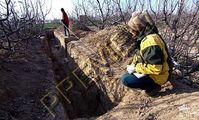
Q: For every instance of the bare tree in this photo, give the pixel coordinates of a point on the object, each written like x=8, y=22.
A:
x=96, y=11
x=77, y=11
x=119, y=8
x=20, y=21
x=125, y=8
x=178, y=20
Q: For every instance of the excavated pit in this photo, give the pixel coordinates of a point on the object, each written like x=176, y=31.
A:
x=89, y=77
x=87, y=74
x=78, y=101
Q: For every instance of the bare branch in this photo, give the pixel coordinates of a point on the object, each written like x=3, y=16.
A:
x=7, y=2
x=20, y=24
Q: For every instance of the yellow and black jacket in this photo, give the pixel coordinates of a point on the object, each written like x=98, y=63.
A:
x=152, y=57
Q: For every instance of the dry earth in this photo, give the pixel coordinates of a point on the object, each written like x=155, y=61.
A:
x=26, y=77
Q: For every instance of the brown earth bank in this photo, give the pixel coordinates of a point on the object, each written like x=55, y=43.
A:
x=103, y=57
x=25, y=78
x=59, y=78
x=179, y=103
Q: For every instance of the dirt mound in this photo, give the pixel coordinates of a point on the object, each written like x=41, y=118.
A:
x=92, y=82
x=43, y=84
x=178, y=103
x=77, y=25
x=103, y=57
x=76, y=28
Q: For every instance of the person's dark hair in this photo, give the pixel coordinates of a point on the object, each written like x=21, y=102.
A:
x=62, y=9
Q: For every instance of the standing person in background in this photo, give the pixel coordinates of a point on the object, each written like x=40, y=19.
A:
x=65, y=21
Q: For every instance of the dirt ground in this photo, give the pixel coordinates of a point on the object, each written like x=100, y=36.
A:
x=178, y=103
x=24, y=79
x=178, y=99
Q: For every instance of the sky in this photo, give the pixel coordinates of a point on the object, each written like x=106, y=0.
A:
x=57, y=5
x=55, y=12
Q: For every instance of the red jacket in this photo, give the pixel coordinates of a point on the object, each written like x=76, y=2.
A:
x=65, y=19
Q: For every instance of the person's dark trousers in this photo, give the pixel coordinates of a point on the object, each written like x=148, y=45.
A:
x=66, y=31
x=145, y=83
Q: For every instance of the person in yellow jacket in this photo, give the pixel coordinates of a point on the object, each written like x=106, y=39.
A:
x=152, y=63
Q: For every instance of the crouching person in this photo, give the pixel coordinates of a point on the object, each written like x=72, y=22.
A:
x=151, y=66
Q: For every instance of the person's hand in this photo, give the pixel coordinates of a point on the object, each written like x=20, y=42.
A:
x=130, y=68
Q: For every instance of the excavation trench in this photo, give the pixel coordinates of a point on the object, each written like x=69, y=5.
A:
x=81, y=96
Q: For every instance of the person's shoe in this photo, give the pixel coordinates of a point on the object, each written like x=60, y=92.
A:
x=66, y=37
x=153, y=92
